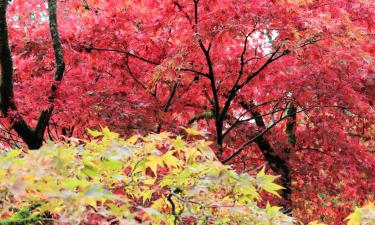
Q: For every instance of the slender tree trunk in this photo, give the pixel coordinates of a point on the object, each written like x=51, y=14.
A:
x=32, y=137
x=278, y=163
x=6, y=62
x=290, y=131
x=219, y=138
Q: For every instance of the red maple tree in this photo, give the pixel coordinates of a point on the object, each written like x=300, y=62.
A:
x=286, y=83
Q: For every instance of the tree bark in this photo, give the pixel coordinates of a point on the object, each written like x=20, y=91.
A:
x=32, y=137
x=276, y=162
x=6, y=62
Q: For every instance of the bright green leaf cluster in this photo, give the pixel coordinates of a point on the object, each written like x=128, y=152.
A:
x=157, y=179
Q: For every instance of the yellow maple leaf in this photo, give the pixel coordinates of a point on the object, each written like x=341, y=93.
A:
x=194, y=131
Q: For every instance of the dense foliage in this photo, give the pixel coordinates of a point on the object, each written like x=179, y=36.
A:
x=157, y=179
x=283, y=83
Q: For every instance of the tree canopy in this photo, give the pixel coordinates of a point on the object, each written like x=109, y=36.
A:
x=288, y=84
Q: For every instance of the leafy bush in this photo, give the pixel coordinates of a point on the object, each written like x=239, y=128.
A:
x=157, y=179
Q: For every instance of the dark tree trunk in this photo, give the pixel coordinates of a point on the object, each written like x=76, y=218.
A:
x=32, y=137
x=278, y=163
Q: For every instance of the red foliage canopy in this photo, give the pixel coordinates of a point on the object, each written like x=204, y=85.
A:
x=284, y=82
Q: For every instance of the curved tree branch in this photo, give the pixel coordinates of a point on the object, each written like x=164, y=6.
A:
x=57, y=48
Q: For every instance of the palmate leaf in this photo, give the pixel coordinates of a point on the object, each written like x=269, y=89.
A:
x=266, y=182
x=194, y=131
x=94, y=133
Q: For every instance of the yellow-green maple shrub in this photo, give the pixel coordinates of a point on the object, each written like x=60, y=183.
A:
x=157, y=179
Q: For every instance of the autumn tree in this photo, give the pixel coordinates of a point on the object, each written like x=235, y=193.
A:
x=256, y=66
x=286, y=83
